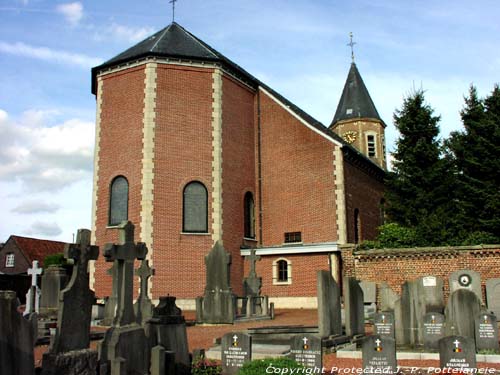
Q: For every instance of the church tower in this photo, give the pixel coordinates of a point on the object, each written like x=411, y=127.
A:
x=357, y=120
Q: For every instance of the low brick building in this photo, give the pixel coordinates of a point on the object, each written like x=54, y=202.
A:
x=193, y=149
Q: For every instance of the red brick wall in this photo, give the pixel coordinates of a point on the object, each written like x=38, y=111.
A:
x=304, y=269
x=183, y=153
x=298, y=186
x=238, y=168
x=120, y=154
x=364, y=193
x=395, y=266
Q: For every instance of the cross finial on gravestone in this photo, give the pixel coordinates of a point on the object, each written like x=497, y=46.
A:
x=253, y=258
x=351, y=44
x=173, y=9
x=124, y=254
x=34, y=271
x=33, y=295
x=144, y=272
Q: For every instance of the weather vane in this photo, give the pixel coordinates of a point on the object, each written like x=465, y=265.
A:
x=173, y=9
x=351, y=44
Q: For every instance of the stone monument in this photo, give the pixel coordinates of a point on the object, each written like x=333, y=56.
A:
x=236, y=349
x=466, y=279
x=33, y=296
x=383, y=324
x=457, y=352
x=433, y=330
x=110, y=301
x=493, y=295
x=379, y=355
x=486, y=332
x=461, y=311
x=143, y=307
x=54, y=280
x=329, y=318
x=354, y=307
x=307, y=350
x=218, y=305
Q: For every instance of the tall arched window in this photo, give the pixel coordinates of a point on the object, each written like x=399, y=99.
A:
x=195, y=208
x=118, y=201
x=249, y=216
x=382, y=211
x=357, y=226
x=282, y=271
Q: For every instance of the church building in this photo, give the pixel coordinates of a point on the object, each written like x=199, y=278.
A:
x=193, y=149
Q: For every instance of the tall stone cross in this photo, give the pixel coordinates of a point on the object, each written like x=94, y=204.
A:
x=253, y=260
x=144, y=306
x=123, y=256
x=33, y=296
x=76, y=300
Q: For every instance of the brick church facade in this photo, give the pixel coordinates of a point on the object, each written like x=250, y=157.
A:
x=193, y=149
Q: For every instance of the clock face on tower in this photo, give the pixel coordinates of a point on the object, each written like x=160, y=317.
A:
x=350, y=136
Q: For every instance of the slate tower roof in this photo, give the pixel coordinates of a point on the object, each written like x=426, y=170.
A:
x=355, y=101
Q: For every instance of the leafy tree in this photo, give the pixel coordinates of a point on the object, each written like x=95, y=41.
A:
x=475, y=152
x=418, y=188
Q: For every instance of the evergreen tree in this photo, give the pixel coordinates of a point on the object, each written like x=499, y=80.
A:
x=476, y=155
x=418, y=188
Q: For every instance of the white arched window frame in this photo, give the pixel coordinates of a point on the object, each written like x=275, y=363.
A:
x=282, y=271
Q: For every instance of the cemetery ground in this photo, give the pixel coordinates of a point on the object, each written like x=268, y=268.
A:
x=202, y=336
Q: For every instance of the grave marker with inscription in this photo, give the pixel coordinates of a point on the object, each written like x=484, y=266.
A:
x=466, y=279
x=433, y=330
x=486, y=332
x=383, y=323
x=307, y=351
x=236, y=349
x=457, y=352
x=379, y=355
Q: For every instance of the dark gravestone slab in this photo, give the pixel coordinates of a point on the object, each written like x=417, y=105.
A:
x=379, y=355
x=16, y=338
x=466, y=279
x=398, y=323
x=418, y=298
x=493, y=295
x=354, y=307
x=486, y=330
x=218, y=303
x=236, y=349
x=388, y=297
x=461, y=311
x=306, y=350
x=383, y=323
x=433, y=330
x=54, y=280
x=329, y=318
x=457, y=352
x=369, y=291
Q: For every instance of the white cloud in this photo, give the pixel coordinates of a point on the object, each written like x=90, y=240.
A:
x=35, y=206
x=73, y=12
x=45, y=157
x=44, y=229
x=115, y=31
x=50, y=55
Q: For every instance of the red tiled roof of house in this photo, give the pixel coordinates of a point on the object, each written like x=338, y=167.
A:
x=36, y=249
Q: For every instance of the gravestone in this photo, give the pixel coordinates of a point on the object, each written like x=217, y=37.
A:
x=217, y=306
x=383, y=324
x=16, y=337
x=419, y=297
x=486, y=332
x=110, y=302
x=457, y=352
x=433, y=330
x=398, y=323
x=329, y=315
x=306, y=350
x=388, y=297
x=33, y=296
x=143, y=307
x=167, y=329
x=493, y=295
x=461, y=311
x=252, y=283
x=54, y=280
x=354, y=307
x=379, y=355
x=236, y=349
x=369, y=291
x=466, y=279
x=68, y=353
x=124, y=349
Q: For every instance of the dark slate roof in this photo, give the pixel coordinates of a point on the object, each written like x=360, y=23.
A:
x=355, y=101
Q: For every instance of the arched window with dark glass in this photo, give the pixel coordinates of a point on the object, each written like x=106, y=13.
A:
x=118, y=201
x=249, y=216
x=195, y=208
x=357, y=226
x=382, y=211
x=282, y=270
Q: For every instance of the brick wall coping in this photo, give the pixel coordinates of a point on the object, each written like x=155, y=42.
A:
x=420, y=251
x=325, y=247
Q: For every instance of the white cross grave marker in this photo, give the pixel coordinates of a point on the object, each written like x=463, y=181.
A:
x=33, y=296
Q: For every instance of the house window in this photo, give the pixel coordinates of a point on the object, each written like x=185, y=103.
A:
x=370, y=145
x=357, y=226
x=293, y=237
x=249, y=216
x=9, y=260
x=282, y=272
x=195, y=208
x=118, y=201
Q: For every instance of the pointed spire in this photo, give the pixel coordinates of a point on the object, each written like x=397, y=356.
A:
x=355, y=101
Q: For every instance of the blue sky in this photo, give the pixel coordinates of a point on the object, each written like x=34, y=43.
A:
x=47, y=48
